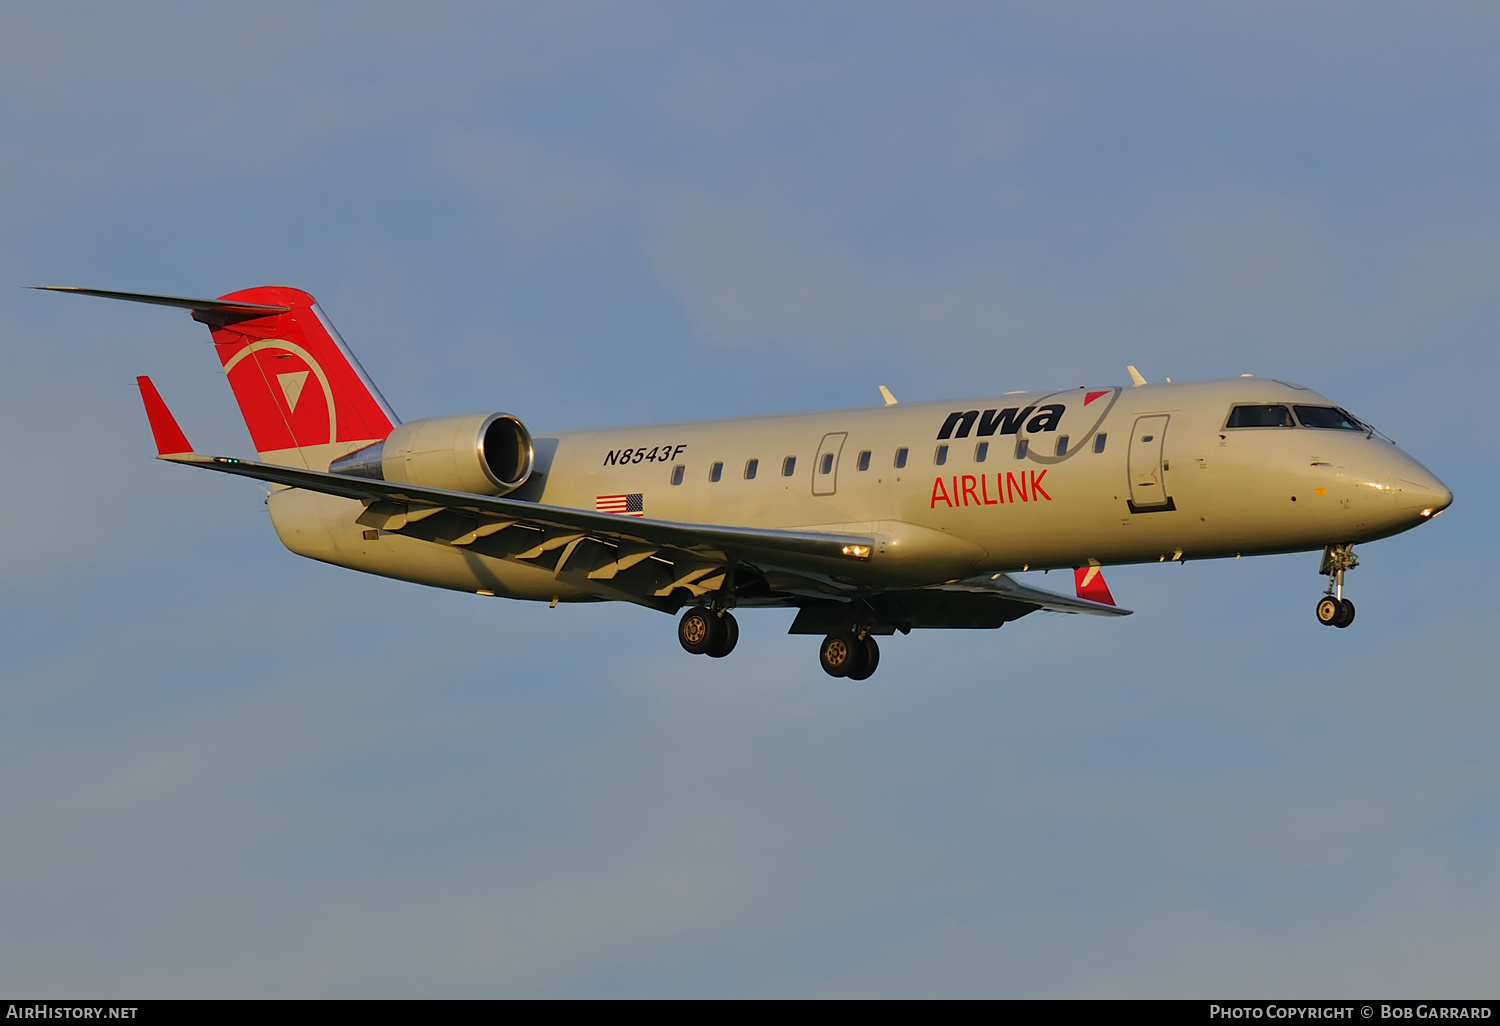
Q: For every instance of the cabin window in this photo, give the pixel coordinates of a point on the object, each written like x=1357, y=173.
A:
x=981, y=452
x=715, y=472
x=864, y=460
x=941, y=456
x=788, y=466
x=1062, y=446
x=1259, y=416
x=825, y=465
x=677, y=473
x=1099, y=440
x=1023, y=446
x=1327, y=417
x=900, y=458
x=751, y=466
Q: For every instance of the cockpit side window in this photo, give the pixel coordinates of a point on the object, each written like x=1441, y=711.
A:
x=1327, y=417
x=1260, y=416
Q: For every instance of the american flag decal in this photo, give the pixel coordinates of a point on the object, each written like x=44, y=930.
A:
x=632, y=505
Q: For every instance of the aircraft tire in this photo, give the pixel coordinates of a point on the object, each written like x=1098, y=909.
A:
x=1330, y=610
x=872, y=660
x=729, y=636
x=1346, y=613
x=842, y=654
x=699, y=631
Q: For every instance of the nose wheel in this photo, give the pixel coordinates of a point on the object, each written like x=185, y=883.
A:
x=1333, y=609
x=1335, y=612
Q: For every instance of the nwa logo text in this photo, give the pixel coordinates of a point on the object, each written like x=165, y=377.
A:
x=1006, y=422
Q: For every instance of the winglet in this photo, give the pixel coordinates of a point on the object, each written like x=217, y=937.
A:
x=1135, y=377
x=170, y=441
x=1091, y=586
x=885, y=393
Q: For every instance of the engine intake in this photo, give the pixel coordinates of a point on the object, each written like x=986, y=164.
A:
x=481, y=453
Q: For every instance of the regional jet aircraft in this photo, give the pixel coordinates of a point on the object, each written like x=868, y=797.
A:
x=867, y=522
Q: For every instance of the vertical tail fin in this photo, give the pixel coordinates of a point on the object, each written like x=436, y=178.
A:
x=304, y=397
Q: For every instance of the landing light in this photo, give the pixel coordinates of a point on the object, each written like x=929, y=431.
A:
x=857, y=551
x=1430, y=512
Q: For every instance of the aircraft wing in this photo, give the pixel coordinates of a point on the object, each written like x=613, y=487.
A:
x=1005, y=586
x=982, y=603
x=698, y=554
x=641, y=560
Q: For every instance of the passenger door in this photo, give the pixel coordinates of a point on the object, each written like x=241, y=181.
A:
x=1148, y=485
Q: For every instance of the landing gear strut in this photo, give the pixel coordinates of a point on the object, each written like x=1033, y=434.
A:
x=849, y=654
x=702, y=631
x=1333, y=609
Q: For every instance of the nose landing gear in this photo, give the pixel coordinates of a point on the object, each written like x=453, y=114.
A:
x=1335, y=612
x=1333, y=609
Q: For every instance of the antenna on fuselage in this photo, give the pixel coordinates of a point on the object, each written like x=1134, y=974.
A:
x=1135, y=376
x=885, y=394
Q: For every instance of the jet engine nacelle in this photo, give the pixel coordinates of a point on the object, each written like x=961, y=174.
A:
x=482, y=453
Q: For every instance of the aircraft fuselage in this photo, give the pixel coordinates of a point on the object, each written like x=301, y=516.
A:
x=954, y=488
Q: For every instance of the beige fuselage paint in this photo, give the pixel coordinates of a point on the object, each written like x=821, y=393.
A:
x=1194, y=490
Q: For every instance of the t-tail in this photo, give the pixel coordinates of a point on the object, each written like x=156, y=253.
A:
x=304, y=397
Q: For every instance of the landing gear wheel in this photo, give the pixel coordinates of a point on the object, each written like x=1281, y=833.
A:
x=1346, y=613
x=700, y=631
x=729, y=636
x=872, y=660
x=843, y=655
x=1333, y=609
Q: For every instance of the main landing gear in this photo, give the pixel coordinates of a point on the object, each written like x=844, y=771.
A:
x=705, y=632
x=1333, y=609
x=849, y=654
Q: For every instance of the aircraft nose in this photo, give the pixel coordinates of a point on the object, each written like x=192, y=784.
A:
x=1430, y=501
x=1418, y=490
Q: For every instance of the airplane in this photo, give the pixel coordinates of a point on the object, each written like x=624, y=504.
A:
x=897, y=517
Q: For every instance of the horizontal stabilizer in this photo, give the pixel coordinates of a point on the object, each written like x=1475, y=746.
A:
x=170, y=441
x=214, y=305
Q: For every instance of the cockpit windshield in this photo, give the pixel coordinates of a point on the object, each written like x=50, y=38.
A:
x=1260, y=416
x=1327, y=417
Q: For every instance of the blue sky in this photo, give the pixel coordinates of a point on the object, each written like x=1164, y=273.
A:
x=228, y=771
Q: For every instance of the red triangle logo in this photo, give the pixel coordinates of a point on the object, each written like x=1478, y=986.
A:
x=1091, y=396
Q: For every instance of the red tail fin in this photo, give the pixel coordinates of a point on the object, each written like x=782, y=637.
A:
x=305, y=398
x=1090, y=583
